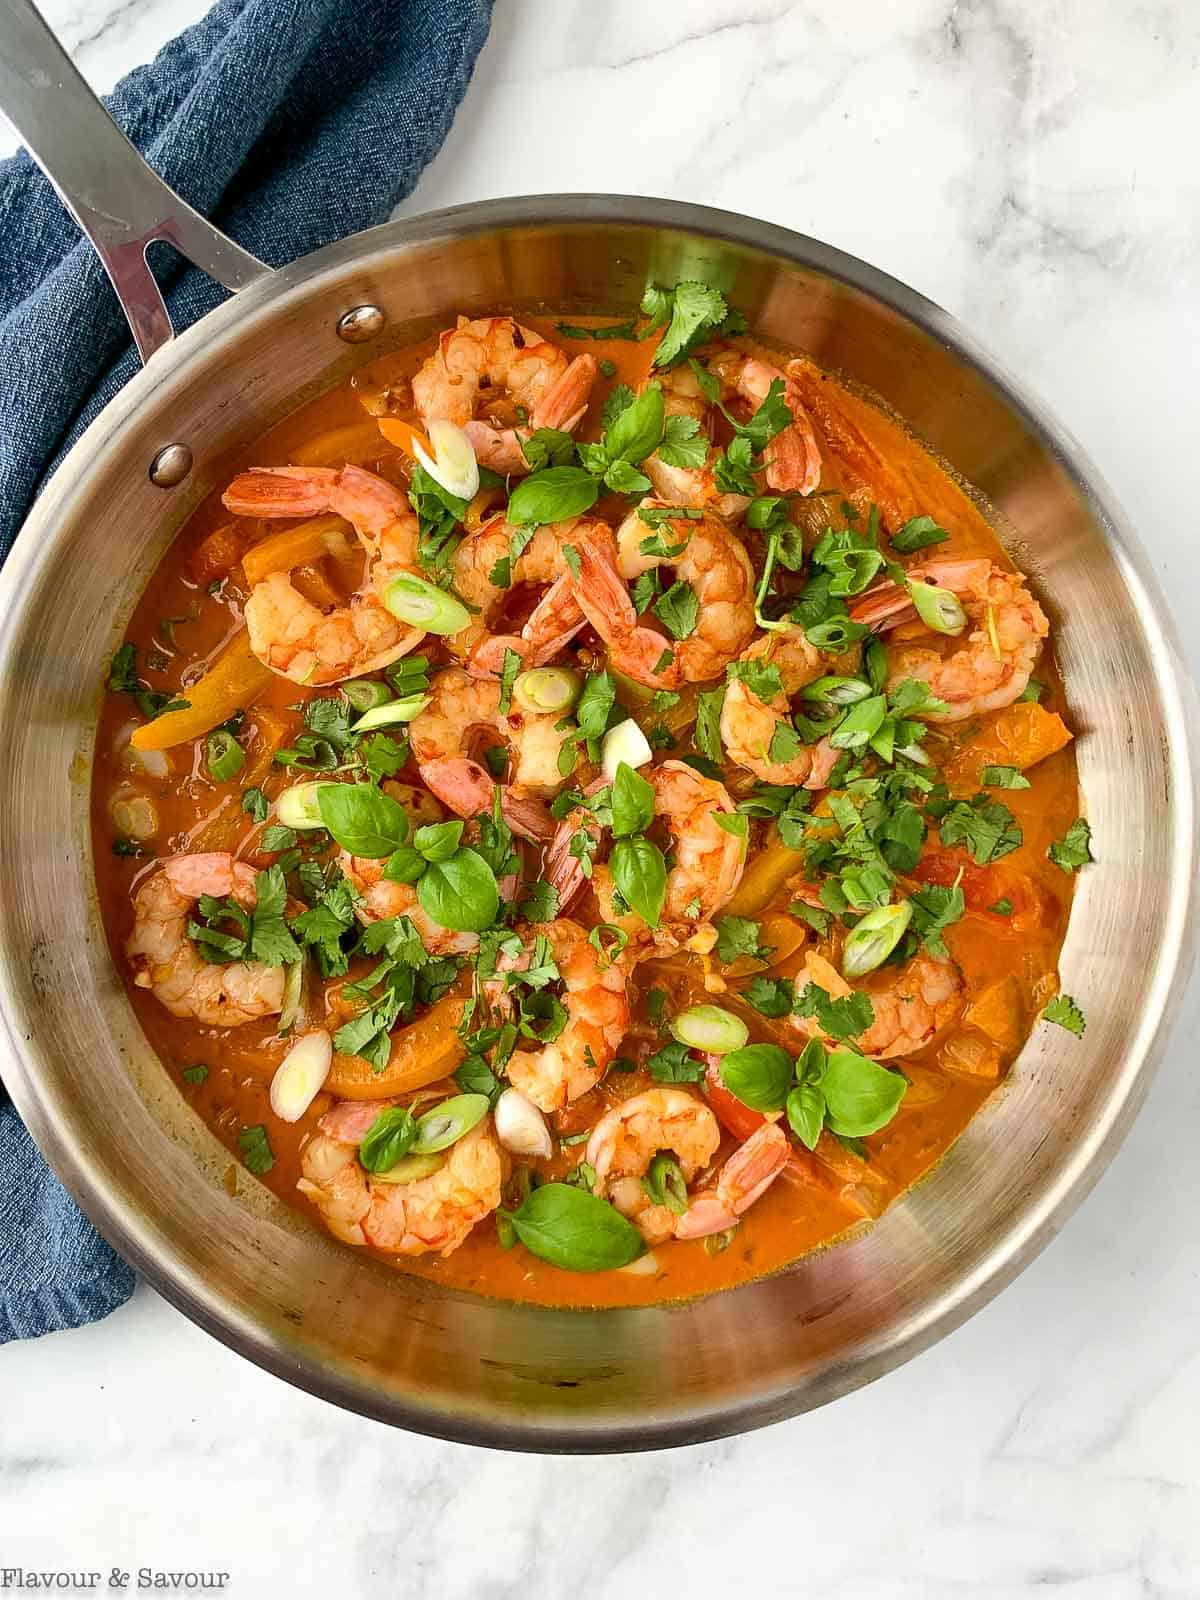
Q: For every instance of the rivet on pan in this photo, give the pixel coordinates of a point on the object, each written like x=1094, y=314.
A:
x=360, y=324
x=171, y=466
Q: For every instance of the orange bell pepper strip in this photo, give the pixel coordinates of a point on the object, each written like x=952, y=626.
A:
x=295, y=547
x=234, y=681
x=1019, y=736
x=404, y=435
x=423, y=1052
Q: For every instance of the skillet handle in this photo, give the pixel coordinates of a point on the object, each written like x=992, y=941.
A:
x=121, y=204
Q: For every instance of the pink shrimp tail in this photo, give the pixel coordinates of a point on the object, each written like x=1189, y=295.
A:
x=350, y=1120
x=824, y=758
x=467, y=789
x=281, y=492
x=793, y=457
x=564, y=403
x=604, y=601
x=705, y=1215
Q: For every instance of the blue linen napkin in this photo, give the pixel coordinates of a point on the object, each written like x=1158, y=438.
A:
x=291, y=123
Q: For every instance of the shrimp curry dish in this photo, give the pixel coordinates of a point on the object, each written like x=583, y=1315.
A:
x=584, y=811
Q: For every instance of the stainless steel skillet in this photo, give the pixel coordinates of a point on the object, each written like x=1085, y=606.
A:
x=100, y=1104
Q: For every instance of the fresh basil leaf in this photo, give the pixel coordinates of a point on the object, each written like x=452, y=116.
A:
x=552, y=495
x=632, y=802
x=575, y=1230
x=388, y=1138
x=460, y=893
x=640, y=875
x=439, y=840
x=860, y=1095
x=362, y=819
x=805, y=1107
x=760, y=1075
x=635, y=432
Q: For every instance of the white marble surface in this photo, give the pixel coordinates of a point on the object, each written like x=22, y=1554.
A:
x=1030, y=164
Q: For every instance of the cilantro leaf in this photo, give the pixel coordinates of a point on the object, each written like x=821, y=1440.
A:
x=678, y=610
x=674, y=1063
x=695, y=309
x=1074, y=849
x=738, y=936
x=985, y=827
x=1064, y=1011
x=845, y=1018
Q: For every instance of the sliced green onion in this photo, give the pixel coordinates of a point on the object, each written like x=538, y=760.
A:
x=226, y=758
x=299, y=807
x=387, y=716
x=424, y=605
x=937, y=608
x=710, y=1028
x=665, y=1184
x=365, y=695
x=547, y=689
x=874, y=938
x=838, y=691
x=409, y=1168
x=446, y=1124
x=860, y=724
x=292, y=986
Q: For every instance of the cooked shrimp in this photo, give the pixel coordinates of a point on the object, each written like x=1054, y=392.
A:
x=627, y=1138
x=597, y=1010
x=554, y=621
x=792, y=459
x=912, y=1003
x=707, y=864
x=287, y=632
x=475, y=360
x=985, y=667
x=379, y=899
x=406, y=1219
x=459, y=705
x=747, y=1175
x=167, y=962
x=749, y=724
x=689, y=486
x=714, y=565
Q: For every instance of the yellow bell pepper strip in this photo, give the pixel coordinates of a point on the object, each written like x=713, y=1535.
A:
x=234, y=681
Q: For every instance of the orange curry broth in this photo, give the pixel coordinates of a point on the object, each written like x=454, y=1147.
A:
x=868, y=457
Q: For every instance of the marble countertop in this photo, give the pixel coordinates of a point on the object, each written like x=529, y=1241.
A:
x=1031, y=165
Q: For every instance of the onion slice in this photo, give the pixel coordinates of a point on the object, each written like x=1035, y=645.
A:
x=301, y=1075
x=626, y=742
x=521, y=1127
x=453, y=462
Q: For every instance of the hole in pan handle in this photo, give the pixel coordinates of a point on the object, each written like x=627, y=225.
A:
x=121, y=204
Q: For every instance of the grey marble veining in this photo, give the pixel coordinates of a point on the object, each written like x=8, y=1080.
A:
x=1031, y=165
